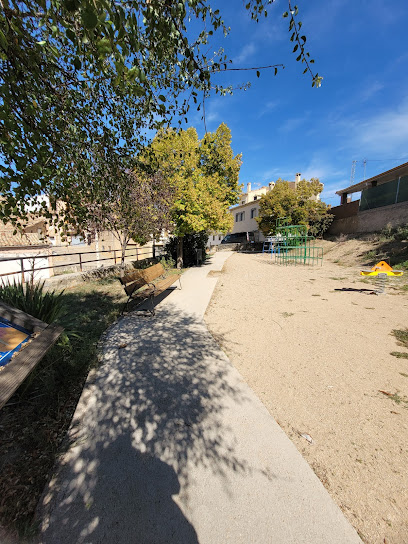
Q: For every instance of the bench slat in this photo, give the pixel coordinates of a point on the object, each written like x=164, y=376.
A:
x=165, y=284
x=158, y=288
x=143, y=276
x=138, y=284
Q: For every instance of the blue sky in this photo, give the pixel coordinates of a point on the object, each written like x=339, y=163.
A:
x=282, y=125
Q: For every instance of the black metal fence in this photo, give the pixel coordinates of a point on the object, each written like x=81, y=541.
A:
x=78, y=261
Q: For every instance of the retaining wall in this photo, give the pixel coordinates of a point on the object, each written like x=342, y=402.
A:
x=371, y=220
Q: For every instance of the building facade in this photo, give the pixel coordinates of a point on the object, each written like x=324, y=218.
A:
x=247, y=211
x=383, y=200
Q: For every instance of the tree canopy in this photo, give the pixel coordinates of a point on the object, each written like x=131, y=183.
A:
x=83, y=82
x=135, y=206
x=299, y=205
x=204, y=174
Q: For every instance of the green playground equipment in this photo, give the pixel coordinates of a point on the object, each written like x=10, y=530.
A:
x=292, y=245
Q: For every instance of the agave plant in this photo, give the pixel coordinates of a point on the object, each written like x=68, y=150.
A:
x=33, y=299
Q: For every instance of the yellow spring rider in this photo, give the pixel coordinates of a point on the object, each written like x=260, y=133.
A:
x=382, y=270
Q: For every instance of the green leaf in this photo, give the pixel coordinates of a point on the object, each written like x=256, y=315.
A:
x=258, y=73
x=162, y=98
x=72, y=5
x=3, y=40
x=77, y=63
x=89, y=19
x=71, y=35
x=286, y=14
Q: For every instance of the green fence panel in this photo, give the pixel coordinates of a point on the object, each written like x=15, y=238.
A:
x=403, y=189
x=376, y=197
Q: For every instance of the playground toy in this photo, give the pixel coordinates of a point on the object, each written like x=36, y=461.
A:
x=291, y=245
x=381, y=270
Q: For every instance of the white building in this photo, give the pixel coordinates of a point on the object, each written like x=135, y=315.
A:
x=248, y=209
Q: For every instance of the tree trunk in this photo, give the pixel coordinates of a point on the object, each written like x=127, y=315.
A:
x=98, y=264
x=180, y=252
x=123, y=244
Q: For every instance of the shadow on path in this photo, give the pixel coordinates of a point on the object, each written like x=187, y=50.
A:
x=152, y=413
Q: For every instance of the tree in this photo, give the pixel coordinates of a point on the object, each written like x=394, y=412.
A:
x=299, y=205
x=134, y=206
x=204, y=175
x=79, y=75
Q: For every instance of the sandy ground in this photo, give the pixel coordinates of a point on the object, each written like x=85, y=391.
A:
x=315, y=345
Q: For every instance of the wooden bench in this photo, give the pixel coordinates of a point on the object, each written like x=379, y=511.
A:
x=141, y=284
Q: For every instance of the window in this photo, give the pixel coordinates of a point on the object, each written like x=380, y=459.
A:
x=239, y=216
x=254, y=213
x=255, y=198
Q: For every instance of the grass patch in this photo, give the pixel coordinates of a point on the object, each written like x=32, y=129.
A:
x=287, y=314
x=36, y=418
x=402, y=340
x=401, y=336
x=399, y=354
x=398, y=399
x=370, y=254
x=403, y=265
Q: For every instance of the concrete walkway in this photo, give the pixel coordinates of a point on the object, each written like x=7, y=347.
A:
x=170, y=446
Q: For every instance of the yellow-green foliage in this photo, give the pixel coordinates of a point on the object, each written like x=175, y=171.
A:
x=297, y=204
x=204, y=174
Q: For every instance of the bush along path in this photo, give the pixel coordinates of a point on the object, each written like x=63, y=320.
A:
x=35, y=420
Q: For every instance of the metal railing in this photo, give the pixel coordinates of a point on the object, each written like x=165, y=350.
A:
x=306, y=254
x=140, y=253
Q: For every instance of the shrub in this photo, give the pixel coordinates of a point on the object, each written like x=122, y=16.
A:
x=33, y=300
x=167, y=263
x=191, y=243
x=401, y=233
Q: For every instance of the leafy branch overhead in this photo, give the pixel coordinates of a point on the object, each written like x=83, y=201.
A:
x=258, y=8
x=82, y=84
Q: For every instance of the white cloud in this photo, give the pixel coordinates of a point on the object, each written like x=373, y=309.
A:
x=246, y=53
x=381, y=134
x=294, y=123
x=267, y=108
x=273, y=174
x=370, y=90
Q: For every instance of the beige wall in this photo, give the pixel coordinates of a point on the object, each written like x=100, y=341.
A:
x=371, y=220
x=256, y=194
x=248, y=224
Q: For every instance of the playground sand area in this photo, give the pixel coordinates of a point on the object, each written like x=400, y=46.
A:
x=315, y=345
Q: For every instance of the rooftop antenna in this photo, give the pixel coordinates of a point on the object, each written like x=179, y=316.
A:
x=353, y=171
x=364, y=163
